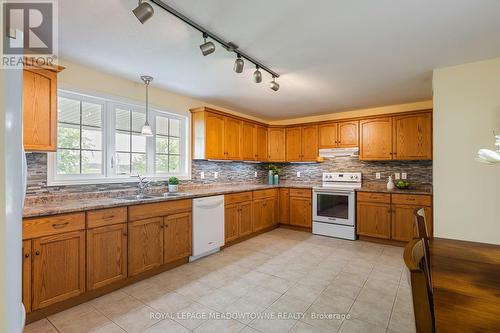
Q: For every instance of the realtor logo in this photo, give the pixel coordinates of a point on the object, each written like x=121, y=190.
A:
x=29, y=30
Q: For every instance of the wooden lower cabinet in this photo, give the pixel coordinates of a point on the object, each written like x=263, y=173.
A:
x=374, y=219
x=27, y=275
x=264, y=213
x=403, y=226
x=284, y=206
x=58, y=268
x=231, y=213
x=177, y=237
x=145, y=245
x=106, y=255
x=300, y=211
x=245, y=219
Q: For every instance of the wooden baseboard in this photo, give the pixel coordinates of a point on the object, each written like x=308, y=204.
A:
x=382, y=241
x=294, y=227
x=89, y=295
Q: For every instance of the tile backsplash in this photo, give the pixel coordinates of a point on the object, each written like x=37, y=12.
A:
x=419, y=172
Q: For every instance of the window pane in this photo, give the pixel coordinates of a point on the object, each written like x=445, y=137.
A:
x=175, y=127
x=68, y=136
x=138, y=143
x=122, y=141
x=68, y=110
x=122, y=119
x=161, y=145
x=91, y=138
x=138, y=120
x=173, y=146
x=92, y=114
x=161, y=163
x=138, y=164
x=91, y=162
x=174, y=163
x=68, y=161
x=122, y=163
x=161, y=125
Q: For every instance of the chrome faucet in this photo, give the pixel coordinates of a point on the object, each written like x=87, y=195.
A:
x=142, y=186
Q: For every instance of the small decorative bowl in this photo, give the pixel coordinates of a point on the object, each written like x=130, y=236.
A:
x=403, y=186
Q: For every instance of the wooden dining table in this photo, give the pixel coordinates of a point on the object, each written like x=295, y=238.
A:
x=466, y=284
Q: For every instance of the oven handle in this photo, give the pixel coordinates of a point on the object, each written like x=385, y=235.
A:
x=331, y=192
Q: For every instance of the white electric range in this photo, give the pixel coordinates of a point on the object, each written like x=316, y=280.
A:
x=334, y=205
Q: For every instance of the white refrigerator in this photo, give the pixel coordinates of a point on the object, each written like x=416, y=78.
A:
x=12, y=192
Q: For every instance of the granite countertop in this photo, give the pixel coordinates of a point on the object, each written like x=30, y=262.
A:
x=382, y=188
x=88, y=201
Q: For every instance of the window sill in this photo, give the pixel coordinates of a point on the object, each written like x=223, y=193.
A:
x=118, y=180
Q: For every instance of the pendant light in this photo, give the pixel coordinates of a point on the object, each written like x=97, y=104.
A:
x=146, y=128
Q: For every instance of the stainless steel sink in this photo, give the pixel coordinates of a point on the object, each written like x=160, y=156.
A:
x=167, y=195
x=139, y=197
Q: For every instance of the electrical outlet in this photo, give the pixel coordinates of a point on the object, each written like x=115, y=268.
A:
x=216, y=175
x=377, y=175
x=397, y=176
x=298, y=174
x=255, y=174
x=202, y=175
x=404, y=175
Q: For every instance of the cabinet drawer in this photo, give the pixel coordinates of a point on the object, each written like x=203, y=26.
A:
x=237, y=197
x=374, y=197
x=265, y=194
x=103, y=217
x=412, y=199
x=51, y=225
x=299, y=192
x=144, y=211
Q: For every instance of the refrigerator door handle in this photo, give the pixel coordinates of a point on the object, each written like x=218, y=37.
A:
x=24, y=176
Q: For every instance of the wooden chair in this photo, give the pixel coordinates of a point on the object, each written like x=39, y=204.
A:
x=423, y=233
x=415, y=260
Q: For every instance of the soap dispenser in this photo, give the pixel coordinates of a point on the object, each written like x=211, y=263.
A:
x=390, y=184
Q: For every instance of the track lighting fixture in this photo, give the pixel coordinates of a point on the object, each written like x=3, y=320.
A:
x=144, y=11
x=274, y=85
x=146, y=128
x=207, y=47
x=239, y=64
x=257, y=75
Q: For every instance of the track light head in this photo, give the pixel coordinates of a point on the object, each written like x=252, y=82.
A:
x=257, y=75
x=207, y=47
x=239, y=64
x=144, y=11
x=274, y=85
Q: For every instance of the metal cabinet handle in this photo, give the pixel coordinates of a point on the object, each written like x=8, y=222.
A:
x=59, y=225
x=37, y=253
x=125, y=234
x=109, y=217
x=27, y=255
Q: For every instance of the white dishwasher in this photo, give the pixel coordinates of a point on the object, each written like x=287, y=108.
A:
x=208, y=226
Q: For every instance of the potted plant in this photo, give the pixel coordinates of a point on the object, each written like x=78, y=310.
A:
x=173, y=184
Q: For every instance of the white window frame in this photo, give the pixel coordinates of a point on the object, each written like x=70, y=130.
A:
x=108, y=175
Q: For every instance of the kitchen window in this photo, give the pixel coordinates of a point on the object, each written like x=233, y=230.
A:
x=99, y=141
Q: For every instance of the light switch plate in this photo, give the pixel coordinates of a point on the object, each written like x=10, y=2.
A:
x=216, y=175
x=255, y=174
x=202, y=175
x=397, y=176
x=377, y=175
x=298, y=174
x=404, y=175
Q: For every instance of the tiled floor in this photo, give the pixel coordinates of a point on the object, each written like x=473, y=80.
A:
x=281, y=281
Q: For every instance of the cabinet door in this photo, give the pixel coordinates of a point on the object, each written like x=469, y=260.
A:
x=231, y=213
x=106, y=255
x=261, y=143
x=310, y=143
x=300, y=212
x=277, y=145
x=293, y=144
x=245, y=219
x=214, y=131
x=271, y=216
x=259, y=214
x=145, y=245
x=348, y=134
x=232, y=137
x=58, y=268
x=413, y=137
x=403, y=225
x=374, y=219
x=328, y=136
x=248, y=152
x=375, y=139
x=177, y=237
x=27, y=275
x=284, y=206
x=39, y=109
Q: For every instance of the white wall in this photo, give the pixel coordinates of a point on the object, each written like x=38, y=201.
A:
x=466, y=192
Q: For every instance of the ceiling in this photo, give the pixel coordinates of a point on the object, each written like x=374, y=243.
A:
x=332, y=55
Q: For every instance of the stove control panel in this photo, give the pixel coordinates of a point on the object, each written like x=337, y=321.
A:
x=352, y=177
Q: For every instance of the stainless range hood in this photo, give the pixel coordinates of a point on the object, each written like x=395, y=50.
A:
x=338, y=152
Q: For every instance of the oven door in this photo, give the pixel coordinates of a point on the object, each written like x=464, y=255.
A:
x=336, y=207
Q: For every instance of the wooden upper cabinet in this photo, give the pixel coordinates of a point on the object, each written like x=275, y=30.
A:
x=261, y=143
x=277, y=145
x=58, y=268
x=328, y=136
x=177, y=237
x=375, y=140
x=348, y=134
x=145, y=245
x=293, y=144
x=412, y=138
x=248, y=142
x=39, y=109
x=310, y=143
x=215, y=138
x=232, y=138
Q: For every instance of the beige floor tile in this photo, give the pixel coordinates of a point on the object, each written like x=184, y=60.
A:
x=194, y=290
x=341, y=288
x=376, y=296
x=41, y=326
x=376, y=314
x=218, y=300
x=403, y=322
x=249, y=329
x=81, y=318
x=333, y=304
x=322, y=318
x=137, y=320
x=301, y=327
x=276, y=284
x=147, y=290
x=193, y=316
x=244, y=310
x=304, y=292
x=109, y=328
x=289, y=304
x=262, y=296
x=358, y=326
x=117, y=308
x=167, y=326
x=171, y=302
x=278, y=323
x=220, y=326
